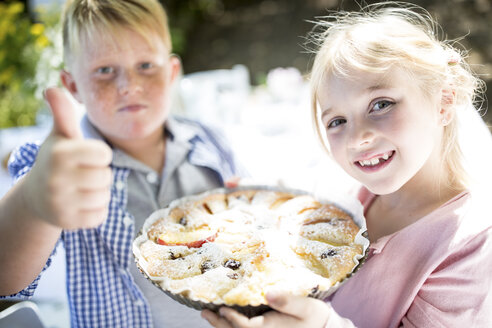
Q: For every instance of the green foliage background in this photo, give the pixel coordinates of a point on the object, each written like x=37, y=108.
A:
x=212, y=34
x=21, y=44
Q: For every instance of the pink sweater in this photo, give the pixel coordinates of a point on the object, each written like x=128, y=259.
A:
x=436, y=272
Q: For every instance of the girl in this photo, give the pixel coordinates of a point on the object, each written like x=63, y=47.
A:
x=389, y=100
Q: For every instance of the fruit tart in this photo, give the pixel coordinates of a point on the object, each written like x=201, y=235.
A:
x=229, y=247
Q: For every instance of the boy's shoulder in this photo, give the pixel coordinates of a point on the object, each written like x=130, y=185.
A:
x=209, y=145
x=197, y=132
x=181, y=122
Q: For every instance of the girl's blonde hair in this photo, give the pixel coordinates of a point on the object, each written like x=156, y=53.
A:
x=85, y=19
x=382, y=36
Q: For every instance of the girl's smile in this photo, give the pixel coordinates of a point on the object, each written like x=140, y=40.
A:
x=370, y=164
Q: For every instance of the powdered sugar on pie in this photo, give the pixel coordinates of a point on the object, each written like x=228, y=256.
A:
x=231, y=247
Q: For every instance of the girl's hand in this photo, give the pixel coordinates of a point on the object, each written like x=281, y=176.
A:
x=293, y=311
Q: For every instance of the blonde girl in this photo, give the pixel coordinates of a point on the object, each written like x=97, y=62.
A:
x=389, y=102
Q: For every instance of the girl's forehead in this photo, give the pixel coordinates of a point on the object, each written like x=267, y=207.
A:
x=390, y=78
x=358, y=85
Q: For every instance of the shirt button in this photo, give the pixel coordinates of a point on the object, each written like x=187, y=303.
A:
x=127, y=221
x=152, y=178
x=120, y=185
x=139, y=302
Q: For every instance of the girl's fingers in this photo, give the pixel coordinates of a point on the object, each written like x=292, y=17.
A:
x=241, y=321
x=302, y=308
x=288, y=304
x=215, y=320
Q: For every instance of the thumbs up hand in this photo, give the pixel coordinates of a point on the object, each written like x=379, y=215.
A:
x=65, y=122
x=70, y=182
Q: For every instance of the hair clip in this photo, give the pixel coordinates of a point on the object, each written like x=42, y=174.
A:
x=453, y=58
x=453, y=62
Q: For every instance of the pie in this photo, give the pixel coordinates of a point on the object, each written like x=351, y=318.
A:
x=232, y=246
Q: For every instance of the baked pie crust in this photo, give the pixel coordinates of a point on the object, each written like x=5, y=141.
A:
x=232, y=246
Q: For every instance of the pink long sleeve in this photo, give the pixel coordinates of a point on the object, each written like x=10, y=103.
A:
x=456, y=293
x=433, y=273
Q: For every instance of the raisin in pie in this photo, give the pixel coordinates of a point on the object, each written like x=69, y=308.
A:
x=231, y=247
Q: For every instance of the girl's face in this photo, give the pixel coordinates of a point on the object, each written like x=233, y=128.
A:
x=124, y=84
x=382, y=129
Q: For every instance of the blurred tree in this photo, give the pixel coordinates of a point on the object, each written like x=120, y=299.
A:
x=21, y=43
x=261, y=34
x=264, y=34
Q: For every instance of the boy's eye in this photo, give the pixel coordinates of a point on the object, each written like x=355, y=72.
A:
x=381, y=105
x=336, y=122
x=105, y=70
x=146, y=66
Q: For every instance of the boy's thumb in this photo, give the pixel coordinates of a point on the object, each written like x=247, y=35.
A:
x=65, y=121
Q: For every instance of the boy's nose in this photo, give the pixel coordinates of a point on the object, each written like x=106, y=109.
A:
x=129, y=84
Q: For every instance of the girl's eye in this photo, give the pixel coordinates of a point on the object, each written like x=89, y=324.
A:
x=381, y=105
x=336, y=122
x=105, y=70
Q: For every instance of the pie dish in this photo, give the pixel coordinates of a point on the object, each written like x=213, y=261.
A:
x=230, y=246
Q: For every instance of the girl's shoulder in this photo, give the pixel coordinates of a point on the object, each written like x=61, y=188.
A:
x=365, y=197
x=475, y=213
x=464, y=219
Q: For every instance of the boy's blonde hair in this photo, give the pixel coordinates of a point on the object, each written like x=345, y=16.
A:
x=84, y=19
x=379, y=38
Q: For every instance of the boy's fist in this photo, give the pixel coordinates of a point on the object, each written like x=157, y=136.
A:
x=70, y=182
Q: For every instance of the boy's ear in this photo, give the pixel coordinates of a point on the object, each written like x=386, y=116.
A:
x=175, y=65
x=69, y=83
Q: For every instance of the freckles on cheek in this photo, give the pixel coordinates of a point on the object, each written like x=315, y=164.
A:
x=98, y=106
x=157, y=84
x=99, y=93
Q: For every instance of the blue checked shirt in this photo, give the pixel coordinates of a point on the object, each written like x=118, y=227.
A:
x=101, y=290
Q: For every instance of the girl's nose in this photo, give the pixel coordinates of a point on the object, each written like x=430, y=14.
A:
x=361, y=135
x=129, y=84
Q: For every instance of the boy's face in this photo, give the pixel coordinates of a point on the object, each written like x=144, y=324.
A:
x=124, y=84
x=382, y=130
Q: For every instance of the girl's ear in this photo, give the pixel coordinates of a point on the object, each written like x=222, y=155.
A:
x=69, y=83
x=446, y=113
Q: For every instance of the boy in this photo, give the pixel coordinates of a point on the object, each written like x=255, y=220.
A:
x=92, y=187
